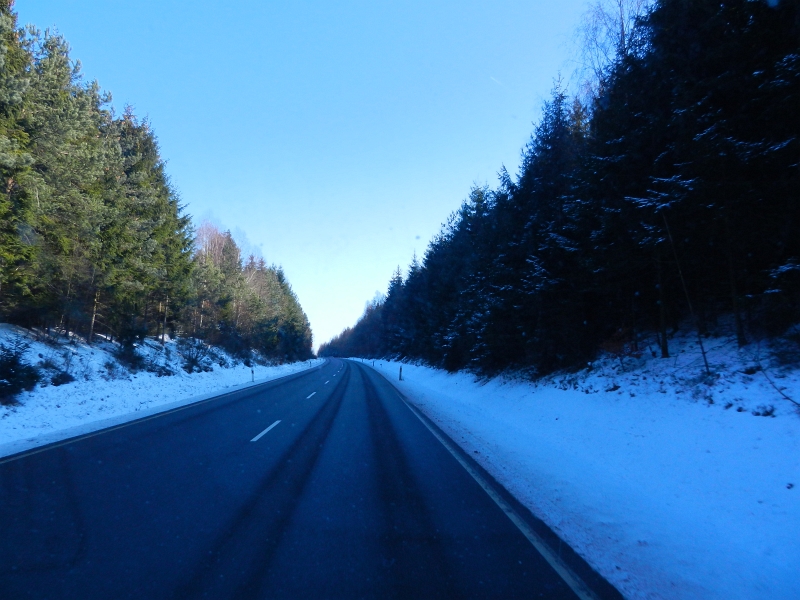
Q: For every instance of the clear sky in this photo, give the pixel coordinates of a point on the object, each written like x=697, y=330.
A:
x=336, y=137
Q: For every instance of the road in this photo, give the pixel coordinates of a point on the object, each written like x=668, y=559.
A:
x=323, y=484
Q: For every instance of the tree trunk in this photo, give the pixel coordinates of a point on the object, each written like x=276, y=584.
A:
x=662, y=313
x=634, y=332
x=688, y=299
x=94, y=316
x=164, y=328
x=146, y=307
x=741, y=340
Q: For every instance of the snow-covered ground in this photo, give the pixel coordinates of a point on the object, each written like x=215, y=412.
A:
x=670, y=483
x=104, y=393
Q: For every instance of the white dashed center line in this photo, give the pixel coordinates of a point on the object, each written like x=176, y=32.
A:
x=258, y=437
x=312, y=393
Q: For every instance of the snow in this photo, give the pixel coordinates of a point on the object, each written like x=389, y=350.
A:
x=106, y=394
x=663, y=479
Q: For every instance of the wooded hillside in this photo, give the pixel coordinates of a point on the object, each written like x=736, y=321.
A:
x=669, y=198
x=93, y=238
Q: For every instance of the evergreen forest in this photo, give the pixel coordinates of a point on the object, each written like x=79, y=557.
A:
x=666, y=197
x=93, y=238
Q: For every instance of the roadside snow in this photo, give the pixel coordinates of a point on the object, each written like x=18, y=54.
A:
x=662, y=478
x=105, y=394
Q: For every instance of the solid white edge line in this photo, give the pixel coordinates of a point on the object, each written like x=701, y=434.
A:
x=259, y=436
x=570, y=578
x=309, y=396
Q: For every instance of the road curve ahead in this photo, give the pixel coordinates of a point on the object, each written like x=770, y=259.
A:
x=323, y=484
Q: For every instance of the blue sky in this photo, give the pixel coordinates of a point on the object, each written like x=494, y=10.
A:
x=336, y=137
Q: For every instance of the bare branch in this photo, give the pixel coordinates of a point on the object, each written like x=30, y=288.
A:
x=604, y=34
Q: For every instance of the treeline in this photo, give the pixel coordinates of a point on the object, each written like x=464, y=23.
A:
x=93, y=239
x=242, y=305
x=671, y=197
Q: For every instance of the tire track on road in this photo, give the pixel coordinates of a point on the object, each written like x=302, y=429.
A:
x=244, y=549
x=414, y=555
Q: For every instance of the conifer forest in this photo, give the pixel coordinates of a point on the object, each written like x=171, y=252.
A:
x=93, y=238
x=666, y=197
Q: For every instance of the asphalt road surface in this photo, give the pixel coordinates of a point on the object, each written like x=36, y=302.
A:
x=324, y=484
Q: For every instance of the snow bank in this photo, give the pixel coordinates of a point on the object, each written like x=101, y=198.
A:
x=670, y=483
x=105, y=393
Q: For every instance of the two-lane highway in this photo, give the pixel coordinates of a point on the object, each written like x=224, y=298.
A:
x=324, y=484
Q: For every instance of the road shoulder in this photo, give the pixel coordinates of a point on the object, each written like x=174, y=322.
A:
x=41, y=439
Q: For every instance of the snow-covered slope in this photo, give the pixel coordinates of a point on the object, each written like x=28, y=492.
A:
x=105, y=392
x=671, y=483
